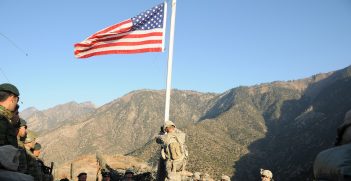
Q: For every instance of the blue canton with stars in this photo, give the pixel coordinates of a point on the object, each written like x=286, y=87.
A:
x=150, y=19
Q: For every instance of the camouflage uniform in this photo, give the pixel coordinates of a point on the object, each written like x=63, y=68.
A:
x=8, y=130
x=171, y=167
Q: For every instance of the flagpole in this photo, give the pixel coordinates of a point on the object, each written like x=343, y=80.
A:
x=170, y=61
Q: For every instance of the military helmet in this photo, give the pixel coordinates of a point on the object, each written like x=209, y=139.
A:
x=22, y=122
x=9, y=88
x=129, y=170
x=168, y=124
x=31, y=136
x=37, y=146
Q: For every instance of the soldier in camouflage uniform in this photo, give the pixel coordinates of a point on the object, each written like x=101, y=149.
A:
x=9, y=97
x=128, y=175
x=173, y=152
x=82, y=176
x=21, y=136
x=33, y=167
x=45, y=171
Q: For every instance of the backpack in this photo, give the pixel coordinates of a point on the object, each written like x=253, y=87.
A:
x=175, y=150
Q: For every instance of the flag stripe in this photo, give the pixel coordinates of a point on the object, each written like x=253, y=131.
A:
x=83, y=47
x=123, y=51
x=156, y=45
x=130, y=35
x=121, y=44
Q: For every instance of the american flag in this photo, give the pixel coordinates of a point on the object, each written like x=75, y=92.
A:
x=142, y=33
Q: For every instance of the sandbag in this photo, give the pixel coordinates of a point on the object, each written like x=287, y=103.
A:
x=333, y=164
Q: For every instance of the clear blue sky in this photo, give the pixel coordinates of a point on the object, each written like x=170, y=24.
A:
x=218, y=45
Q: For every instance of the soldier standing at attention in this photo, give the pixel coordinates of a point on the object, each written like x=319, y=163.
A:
x=9, y=97
x=173, y=153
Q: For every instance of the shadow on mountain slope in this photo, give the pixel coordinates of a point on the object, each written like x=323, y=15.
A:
x=304, y=128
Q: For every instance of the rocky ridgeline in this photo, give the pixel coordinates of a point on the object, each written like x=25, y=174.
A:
x=278, y=125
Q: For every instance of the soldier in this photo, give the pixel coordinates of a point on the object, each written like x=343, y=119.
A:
x=36, y=150
x=21, y=132
x=334, y=163
x=82, y=176
x=21, y=136
x=106, y=176
x=9, y=97
x=128, y=175
x=45, y=171
x=173, y=152
x=266, y=175
x=33, y=167
x=344, y=131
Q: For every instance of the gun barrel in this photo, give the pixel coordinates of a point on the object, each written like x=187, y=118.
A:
x=51, y=167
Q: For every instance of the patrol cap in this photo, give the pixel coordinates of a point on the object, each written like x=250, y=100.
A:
x=22, y=123
x=266, y=173
x=37, y=146
x=31, y=136
x=9, y=88
x=168, y=124
x=82, y=173
x=129, y=170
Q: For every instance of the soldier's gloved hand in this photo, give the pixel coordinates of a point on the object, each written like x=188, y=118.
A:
x=162, y=131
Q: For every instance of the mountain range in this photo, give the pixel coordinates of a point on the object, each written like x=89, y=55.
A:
x=279, y=126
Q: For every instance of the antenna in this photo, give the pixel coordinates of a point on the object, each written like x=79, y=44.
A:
x=14, y=44
x=3, y=73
